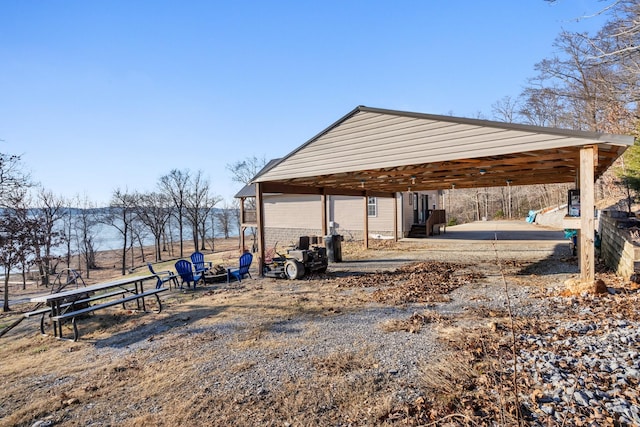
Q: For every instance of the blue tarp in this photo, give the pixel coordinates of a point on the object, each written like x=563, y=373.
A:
x=531, y=217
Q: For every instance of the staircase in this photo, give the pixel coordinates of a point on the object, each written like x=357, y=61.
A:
x=435, y=221
x=418, y=231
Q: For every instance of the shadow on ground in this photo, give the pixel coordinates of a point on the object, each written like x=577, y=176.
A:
x=147, y=330
x=560, y=261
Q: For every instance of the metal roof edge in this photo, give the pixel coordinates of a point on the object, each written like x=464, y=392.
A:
x=248, y=190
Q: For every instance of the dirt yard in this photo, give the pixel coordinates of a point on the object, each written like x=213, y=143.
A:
x=397, y=335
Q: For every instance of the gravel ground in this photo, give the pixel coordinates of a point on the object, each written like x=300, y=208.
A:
x=579, y=365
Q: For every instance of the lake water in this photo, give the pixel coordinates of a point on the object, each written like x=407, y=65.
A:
x=108, y=237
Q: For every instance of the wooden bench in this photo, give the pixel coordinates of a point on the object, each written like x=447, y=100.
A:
x=75, y=313
x=44, y=310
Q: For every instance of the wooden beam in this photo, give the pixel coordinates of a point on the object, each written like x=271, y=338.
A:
x=277, y=187
x=317, y=187
x=587, y=220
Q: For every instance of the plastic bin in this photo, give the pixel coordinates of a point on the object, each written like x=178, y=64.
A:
x=333, y=243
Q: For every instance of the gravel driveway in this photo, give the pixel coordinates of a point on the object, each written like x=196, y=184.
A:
x=366, y=344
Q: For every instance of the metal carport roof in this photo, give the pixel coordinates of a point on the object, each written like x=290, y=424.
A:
x=378, y=152
x=388, y=151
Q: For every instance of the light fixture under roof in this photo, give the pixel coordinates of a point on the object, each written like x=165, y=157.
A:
x=482, y=171
x=413, y=179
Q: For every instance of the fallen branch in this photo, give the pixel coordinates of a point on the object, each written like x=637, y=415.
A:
x=513, y=335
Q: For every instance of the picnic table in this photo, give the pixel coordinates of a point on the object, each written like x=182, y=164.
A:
x=74, y=303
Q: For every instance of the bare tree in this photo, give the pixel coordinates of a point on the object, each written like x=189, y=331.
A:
x=593, y=83
x=49, y=212
x=85, y=221
x=208, y=218
x=120, y=216
x=67, y=233
x=154, y=211
x=175, y=185
x=617, y=45
x=575, y=77
x=541, y=107
x=139, y=234
x=243, y=171
x=15, y=228
x=12, y=178
x=196, y=206
x=15, y=237
x=597, y=77
x=224, y=216
x=506, y=109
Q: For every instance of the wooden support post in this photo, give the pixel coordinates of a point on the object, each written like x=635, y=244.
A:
x=242, y=214
x=366, y=223
x=587, y=220
x=260, y=226
x=323, y=203
x=395, y=217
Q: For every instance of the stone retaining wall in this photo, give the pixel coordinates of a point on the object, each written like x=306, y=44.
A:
x=617, y=250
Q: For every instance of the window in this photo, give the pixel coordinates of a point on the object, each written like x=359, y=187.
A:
x=372, y=206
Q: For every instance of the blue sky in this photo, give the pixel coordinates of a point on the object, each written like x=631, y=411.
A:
x=99, y=95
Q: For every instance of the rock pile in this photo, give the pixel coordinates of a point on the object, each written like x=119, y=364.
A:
x=582, y=362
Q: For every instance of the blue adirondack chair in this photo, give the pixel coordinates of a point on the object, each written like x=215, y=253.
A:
x=200, y=266
x=164, y=277
x=186, y=273
x=242, y=270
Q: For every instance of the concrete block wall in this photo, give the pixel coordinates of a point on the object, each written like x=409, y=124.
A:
x=287, y=236
x=617, y=249
x=290, y=236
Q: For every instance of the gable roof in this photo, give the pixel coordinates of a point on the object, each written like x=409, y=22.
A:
x=249, y=190
x=391, y=151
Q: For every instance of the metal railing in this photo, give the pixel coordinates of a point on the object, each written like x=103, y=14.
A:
x=249, y=217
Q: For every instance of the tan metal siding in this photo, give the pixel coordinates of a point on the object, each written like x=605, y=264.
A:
x=298, y=211
x=292, y=211
x=384, y=219
x=348, y=213
x=386, y=141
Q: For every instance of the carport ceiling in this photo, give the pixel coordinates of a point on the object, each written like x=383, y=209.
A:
x=372, y=150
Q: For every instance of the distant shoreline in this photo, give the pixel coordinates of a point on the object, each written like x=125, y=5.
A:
x=109, y=261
